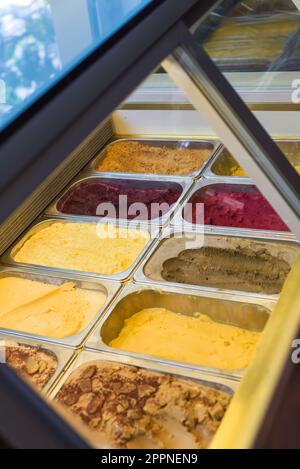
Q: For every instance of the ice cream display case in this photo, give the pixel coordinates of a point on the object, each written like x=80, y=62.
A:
x=150, y=227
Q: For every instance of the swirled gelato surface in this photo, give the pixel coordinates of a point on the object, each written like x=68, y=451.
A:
x=87, y=247
x=242, y=268
x=46, y=309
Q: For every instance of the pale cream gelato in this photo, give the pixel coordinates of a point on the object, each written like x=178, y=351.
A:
x=88, y=247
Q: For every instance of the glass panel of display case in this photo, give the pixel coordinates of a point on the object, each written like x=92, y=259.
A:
x=265, y=55
x=255, y=36
x=246, y=39
x=202, y=86
x=39, y=45
x=257, y=45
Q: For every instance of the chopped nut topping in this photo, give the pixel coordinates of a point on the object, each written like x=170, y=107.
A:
x=42, y=366
x=94, y=405
x=32, y=366
x=85, y=385
x=135, y=407
x=146, y=391
x=32, y=363
x=89, y=372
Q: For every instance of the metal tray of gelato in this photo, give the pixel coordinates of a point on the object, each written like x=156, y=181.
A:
x=77, y=246
x=147, y=200
x=184, y=327
x=39, y=363
x=232, y=205
x=60, y=309
x=166, y=151
x=224, y=164
x=132, y=393
x=218, y=262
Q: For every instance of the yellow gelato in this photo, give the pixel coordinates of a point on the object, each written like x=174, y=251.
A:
x=46, y=309
x=89, y=247
x=193, y=339
x=238, y=171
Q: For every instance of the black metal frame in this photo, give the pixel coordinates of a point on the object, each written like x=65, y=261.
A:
x=206, y=25
x=69, y=115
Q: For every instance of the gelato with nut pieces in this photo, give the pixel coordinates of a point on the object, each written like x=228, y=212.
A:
x=35, y=364
x=132, y=407
x=137, y=157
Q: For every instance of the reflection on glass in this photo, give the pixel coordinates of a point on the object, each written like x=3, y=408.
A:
x=255, y=36
x=256, y=44
x=40, y=40
x=266, y=167
x=29, y=51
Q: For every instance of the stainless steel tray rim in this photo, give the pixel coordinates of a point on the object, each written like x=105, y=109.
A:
x=141, y=278
x=235, y=374
x=88, y=355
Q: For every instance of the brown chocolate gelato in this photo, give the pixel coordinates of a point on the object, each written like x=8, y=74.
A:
x=136, y=408
x=235, y=269
x=34, y=364
x=136, y=157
